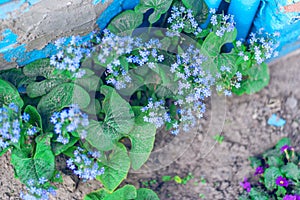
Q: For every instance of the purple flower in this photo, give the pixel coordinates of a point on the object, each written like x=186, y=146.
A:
x=285, y=148
x=259, y=170
x=246, y=185
x=282, y=181
x=291, y=197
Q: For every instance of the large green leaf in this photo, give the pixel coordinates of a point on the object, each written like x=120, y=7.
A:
x=101, y=138
x=256, y=194
x=119, y=116
x=116, y=167
x=159, y=6
x=142, y=140
x=90, y=83
x=291, y=171
x=270, y=175
x=212, y=44
x=9, y=94
x=37, y=89
x=96, y=195
x=128, y=192
x=199, y=7
x=35, y=118
x=146, y=194
x=39, y=67
x=62, y=96
x=41, y=164
x=282, y=142
x=15, y=77
x=125, y=22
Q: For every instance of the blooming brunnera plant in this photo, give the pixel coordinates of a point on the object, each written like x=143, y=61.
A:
x=276, y=176
x=120, y=84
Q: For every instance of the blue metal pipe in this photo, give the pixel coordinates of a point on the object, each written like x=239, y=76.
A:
x=244, y=13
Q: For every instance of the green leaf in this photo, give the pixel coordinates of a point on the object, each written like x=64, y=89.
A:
x=228, y=60
x=125, y=22
x=9, y=94
x=258, y=78
x=62, y=96
x=99, y=138
x=116, y=167
x=39, y=67
x=142, y=141
x=255, y=162
x=90, y=83
x=199, y=8
x=270, y=175
x=177, y=179
x=37, y=89
x=146, y=194
x=291, y=171
x=96, y=195
x=41, y=164
x=35, y=118
x=59, y=148
x=212, y=44
x=281, y=191
x=282, y=142
x=166, y=178
x=256, y=194
x=15, y=77
x=160, y=7
x=119, y=116
x=127, y=192
x=94, y=108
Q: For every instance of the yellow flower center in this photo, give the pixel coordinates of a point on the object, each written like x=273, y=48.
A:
x=281, y=182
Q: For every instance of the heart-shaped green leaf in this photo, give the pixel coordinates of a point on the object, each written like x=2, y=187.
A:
x=116, y=167
x=142, y=140
x=125, y=22
x=41, y=164
x=159, y=6
x=146, y=194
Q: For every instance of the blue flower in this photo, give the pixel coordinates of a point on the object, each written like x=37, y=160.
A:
x=25, y=117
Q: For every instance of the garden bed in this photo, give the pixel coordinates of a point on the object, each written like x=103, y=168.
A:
x=224, y=166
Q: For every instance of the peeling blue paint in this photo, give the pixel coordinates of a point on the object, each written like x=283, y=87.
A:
x=9, y=40
x=13, y=53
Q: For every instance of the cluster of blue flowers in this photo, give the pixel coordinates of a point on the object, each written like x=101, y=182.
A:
x=117, y=53
x=182, y=19
x=71, y=53
x=156, y=113
x=263, y=45
x=222, y=23
x=194, y=85
x=85, y=164
x=36, y=190
x=12, y=124
x=68, y=121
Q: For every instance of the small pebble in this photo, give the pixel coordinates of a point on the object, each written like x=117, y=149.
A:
x=291, y=102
